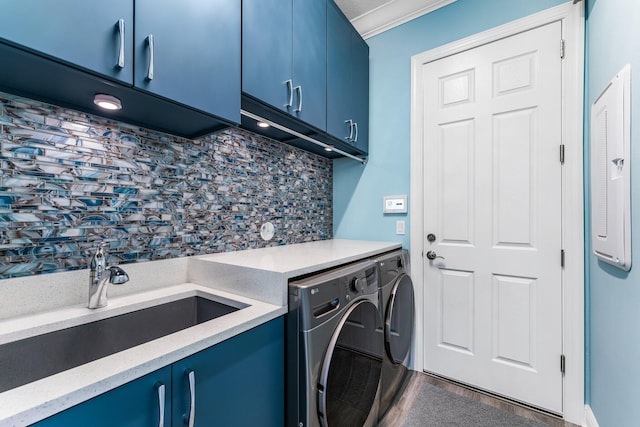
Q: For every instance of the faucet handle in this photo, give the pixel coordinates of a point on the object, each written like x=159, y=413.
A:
x=99, y=259
x=118, y=276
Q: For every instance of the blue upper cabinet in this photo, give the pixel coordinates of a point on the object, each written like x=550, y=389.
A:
x=347, y=81
x=94, y=35
x=310, y=61
x=360, y=87
x=266, y=51
x=185, y=82
x=189, y=52
x=284, y=56
x=339, y=94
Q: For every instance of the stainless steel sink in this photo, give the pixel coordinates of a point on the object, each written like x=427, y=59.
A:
x=34, y=358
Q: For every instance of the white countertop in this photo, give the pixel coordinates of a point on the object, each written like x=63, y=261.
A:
x=302, y=258
x=257, y=277
x=264, y=273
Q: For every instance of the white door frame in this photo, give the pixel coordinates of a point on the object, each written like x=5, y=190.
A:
x=572, y=18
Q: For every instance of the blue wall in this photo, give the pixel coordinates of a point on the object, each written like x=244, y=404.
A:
x=358, y=190
x=613, y=40
x=613, y=298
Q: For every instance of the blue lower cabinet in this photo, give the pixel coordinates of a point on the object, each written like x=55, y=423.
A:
x=134, y=404
x=238, y=382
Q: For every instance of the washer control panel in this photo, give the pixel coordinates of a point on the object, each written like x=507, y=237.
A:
x=321, y=296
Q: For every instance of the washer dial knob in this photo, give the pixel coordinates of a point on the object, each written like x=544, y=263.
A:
x=356, y=285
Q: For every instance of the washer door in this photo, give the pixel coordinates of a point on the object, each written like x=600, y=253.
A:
x=350, y=373
x=398, y=324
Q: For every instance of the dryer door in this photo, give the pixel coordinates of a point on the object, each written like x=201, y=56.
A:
x=398, y=324
x=350, y=373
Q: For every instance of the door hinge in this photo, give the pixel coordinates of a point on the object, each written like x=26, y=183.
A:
x=562, y=258
x=563, y=363
x=562, y=153
x=562, y=48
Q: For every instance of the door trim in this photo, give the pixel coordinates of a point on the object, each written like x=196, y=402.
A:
x=572, y=18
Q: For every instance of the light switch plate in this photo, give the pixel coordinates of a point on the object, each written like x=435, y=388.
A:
x=400, y=227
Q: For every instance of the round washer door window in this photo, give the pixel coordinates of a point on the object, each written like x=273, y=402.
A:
x=350, y=372
x=398, y=325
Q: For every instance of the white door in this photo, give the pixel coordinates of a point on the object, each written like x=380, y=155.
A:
x=492, y=179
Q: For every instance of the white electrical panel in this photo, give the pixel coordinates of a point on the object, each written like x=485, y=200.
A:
x=611, y=172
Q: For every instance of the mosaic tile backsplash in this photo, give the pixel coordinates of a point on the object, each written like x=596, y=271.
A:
x=70, y=180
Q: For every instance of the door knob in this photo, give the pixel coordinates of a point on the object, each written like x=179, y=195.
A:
x=432, y=255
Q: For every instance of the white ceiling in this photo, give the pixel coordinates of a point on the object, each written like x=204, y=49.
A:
x=371, y=17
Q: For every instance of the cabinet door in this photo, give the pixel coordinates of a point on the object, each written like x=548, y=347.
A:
x=360, y=88
x=347, y=82
x=239, y=382
x=134, y=404
x=195, y=55
x=339, y=93
x=84, y=33
x=310, y=61
x=266, y=51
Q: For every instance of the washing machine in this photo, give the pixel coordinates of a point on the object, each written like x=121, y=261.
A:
x=396, y=303
x=334, y=349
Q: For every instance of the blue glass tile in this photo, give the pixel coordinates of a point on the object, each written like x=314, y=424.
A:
x=69, y=180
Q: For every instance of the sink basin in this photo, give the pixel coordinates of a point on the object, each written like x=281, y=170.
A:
x=34, y=358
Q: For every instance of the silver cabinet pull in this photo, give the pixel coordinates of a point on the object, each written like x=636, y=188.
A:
x=350, y=122
x=151, y=49
x=192, y=396
x=355, y=125
x=120, y=63
x=161, y=399
x=299, y=89
x=289, y=84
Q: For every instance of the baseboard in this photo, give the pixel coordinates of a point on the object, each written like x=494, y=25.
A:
x=589, y=418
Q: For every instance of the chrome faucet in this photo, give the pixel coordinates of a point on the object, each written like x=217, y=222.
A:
x=99, y=280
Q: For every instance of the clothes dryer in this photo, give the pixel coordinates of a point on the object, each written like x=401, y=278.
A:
x=334, y=352
x=396, y=302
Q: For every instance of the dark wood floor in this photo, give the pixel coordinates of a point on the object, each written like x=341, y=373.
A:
x=403, y=404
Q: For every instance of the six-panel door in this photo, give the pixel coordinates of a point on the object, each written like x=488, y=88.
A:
x=492, y=125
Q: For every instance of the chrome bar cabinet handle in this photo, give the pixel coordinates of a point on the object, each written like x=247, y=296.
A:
x=151, y=49
x=192, y=396
x=120, y=63
x=350, y=137
x=161, y=399
x=299, y=89
x=289, y=84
